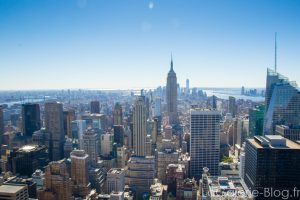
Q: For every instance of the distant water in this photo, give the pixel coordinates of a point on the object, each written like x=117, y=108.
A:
x=224, y=93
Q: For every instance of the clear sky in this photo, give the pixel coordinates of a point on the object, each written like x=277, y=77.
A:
x=118, y=44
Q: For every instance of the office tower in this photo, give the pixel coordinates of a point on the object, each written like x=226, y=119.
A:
x=95, y=107
x=157, y=107
x=121, y=157
x=28, y=158
x=97, y=178
x=187, y=87
x=204, y=141
x=90, y=144
x=79, y=173
x=166, y=155
x=171, y=93
x=31, y=120
x=242, y=130
x=214, y=102
x=272, y=162
x=243, y=90
x=140, y=173
x=118, y=114
x=58, y=183
x=68, y=147
x=14, y=192
x=148, y=146
x=232, y=108
x=69, y=117
x=107, y=141
x=139, y=127
x=289, y=132
x=115, y=180
x=55, y=127
x=256, y=120
x=78, y=128
x=1, y=125
x=188, y=189
x=282, y=102
x=119, y=135
x=175, y=174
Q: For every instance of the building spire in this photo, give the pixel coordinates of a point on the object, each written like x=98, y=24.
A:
x=275, y=51
x=171, y=63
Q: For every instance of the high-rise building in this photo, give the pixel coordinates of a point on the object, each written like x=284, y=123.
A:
x=187, y=87
x=29, y=158
x=79, y=173
x=31, y=120
x=119, y=135
x=256, y=120
x=272, y=163
x=139, y=127
x=90, y=144
x=115, y=180
x=214, y=102
x=289, y=132
x=55, y=127
x=171, y=94
x=232, y=107
x=107, y=141
x=282, y=102
x=69, y=116
x=140, y=173
x=78, y=128
x=118, y=115
x=1, y=125
x=157, y=107
x=95, y=107
x=58, y=183
x=204, y=141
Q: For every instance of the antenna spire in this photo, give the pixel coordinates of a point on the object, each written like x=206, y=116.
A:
x=171, y=62
x=275, y=51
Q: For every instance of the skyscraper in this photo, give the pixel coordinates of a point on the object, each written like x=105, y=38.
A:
x=282, y=102
x=187, y=87
x=256, y=120
x=171, y=91
x=272, y=163
x=95, y=107
x=205, y=141
x=115, y=180
x=1, y=125
x=31, y=120
x=139, y=127
x=118, y=115
x=232, y=108
x=79, y=173
x=90, y=144
x=55, y=127
x=69, y=116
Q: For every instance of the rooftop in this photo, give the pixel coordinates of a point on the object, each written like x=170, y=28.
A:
x=11, y=189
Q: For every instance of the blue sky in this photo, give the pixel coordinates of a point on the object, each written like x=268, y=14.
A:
x=118, y=44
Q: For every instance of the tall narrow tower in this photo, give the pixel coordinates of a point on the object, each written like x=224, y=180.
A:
x=172, y=95
x=139, y=127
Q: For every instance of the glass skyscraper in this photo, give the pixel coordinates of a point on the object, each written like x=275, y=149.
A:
x=282, y=102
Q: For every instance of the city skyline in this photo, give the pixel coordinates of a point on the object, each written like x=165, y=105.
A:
x=91, y=44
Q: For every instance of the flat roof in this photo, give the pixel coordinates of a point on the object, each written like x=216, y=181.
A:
x=289, y=145
x=11, y=189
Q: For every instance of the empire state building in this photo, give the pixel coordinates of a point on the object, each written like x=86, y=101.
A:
x=172, y=95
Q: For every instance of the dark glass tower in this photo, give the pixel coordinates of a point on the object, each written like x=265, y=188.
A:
x=31, y=120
